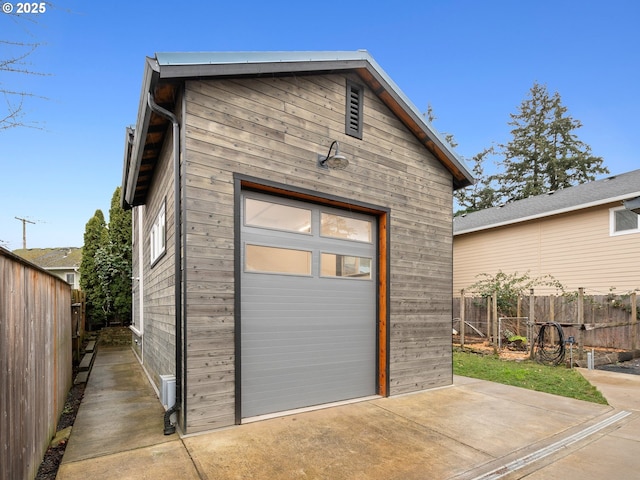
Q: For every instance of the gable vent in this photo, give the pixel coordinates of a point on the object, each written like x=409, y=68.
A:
x=354, y=107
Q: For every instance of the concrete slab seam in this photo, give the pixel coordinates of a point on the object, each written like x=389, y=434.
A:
x=544, y=452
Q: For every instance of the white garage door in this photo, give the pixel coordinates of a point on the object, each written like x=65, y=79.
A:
x=308, y=308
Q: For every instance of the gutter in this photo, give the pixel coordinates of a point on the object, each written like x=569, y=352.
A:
x=170, y=428
x=633, y=205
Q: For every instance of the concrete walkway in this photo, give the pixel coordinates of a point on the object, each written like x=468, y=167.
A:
x=472, y=430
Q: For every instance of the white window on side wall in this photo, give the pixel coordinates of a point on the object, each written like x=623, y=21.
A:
x=623, y=221
x=158, y=237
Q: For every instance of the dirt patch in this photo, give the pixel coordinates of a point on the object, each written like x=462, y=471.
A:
x=53, y=456
x=486, y=348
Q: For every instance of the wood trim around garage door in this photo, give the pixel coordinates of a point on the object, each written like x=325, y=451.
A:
x=243, y=182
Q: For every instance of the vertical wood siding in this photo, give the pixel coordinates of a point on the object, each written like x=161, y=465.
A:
x=272, y=129
x=575, y=248
x=158, y=282
x=35, y=363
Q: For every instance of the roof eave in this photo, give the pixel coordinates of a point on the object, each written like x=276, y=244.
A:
x=162, y=68
x=134, y=160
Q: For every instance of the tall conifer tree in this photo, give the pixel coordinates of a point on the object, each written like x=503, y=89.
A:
x=544, y=153
x=95, y=231
x=482, y=193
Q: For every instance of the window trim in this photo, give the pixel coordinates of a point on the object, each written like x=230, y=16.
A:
x=158, y=236
x=612, y=223
x=137, y=244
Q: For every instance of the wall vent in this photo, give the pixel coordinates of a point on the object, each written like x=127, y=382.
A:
x=354, y=107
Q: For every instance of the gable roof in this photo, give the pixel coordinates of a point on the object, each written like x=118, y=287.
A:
x=166, y=71
x=66, y=258
x=612, y=189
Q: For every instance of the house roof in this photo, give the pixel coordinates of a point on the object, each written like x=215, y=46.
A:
x=612, y=189
x=164, y=73
x=66, y=258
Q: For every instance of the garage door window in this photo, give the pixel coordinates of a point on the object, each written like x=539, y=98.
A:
x=338, y=226
x=259, y=213
x=335, y=265
x=263, y=259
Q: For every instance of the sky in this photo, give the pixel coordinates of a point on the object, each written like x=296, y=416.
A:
x=473, y=61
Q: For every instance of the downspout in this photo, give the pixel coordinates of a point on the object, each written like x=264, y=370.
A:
x=170, y=428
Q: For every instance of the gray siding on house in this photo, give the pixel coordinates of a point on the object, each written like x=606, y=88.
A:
x=158, y=288
x=273, y=128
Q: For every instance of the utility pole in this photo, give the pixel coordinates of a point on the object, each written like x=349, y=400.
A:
x=24, y=230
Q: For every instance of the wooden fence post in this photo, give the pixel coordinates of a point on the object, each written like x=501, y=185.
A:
x=489, y=318
x=532, y=322
x=580, y=323
x=634, y=321
x=462, y=324
x=552, y=316
x=495, y=321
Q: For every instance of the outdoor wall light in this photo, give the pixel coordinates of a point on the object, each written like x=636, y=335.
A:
x=337, y=161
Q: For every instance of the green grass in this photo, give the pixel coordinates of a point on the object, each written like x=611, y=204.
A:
x=526, y=374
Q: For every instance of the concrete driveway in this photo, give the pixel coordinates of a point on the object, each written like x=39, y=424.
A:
x=471, y=430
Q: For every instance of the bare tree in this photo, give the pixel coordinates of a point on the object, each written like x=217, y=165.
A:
x=13, y=66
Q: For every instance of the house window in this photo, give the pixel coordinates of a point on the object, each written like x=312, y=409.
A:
x=158, y=237
x=275, y=216
x=623, y=221
x=347, y=228
x=336, y=265
x=353, y=110
x=286, y=261
x=71, y=278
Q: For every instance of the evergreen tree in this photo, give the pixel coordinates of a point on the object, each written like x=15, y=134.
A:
x=544, y=153
x=95, y=231
x=119, y=250
x=481, y=194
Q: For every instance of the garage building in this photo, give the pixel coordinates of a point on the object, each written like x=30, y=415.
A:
x=311, y=259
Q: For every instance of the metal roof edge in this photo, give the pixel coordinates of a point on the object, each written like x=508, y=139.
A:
x=189, y=64
x=560, y=211
x=256, y=57
x=202, y=64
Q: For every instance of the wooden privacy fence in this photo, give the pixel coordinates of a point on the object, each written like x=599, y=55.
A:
x=35, y=362
x=601, y=321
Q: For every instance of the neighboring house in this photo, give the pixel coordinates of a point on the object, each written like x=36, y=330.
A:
x=62, y=262
x=583, y=236
x=299, y=281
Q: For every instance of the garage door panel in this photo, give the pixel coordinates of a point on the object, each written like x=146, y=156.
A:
x=296, y=390
x=307, y=339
